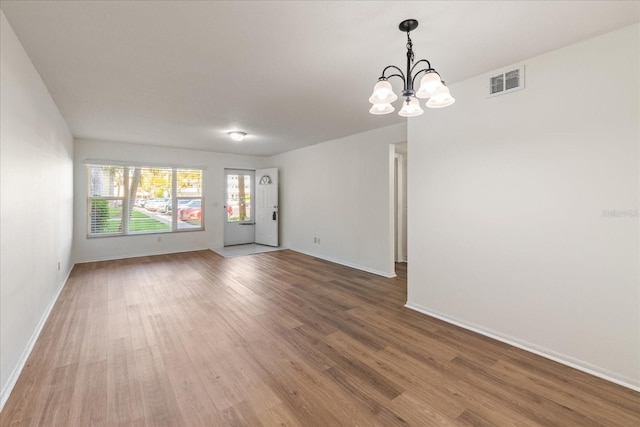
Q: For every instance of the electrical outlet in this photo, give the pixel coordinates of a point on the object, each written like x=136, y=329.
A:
x=318, y=240
x=315, y=240
x=159, y=239
x=58, y=265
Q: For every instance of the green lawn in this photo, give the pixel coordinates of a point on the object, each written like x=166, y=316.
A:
x=138, y=222
x=148, y=224
x=137, y=214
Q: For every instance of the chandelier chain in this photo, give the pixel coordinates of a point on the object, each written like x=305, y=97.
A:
x=410, y=47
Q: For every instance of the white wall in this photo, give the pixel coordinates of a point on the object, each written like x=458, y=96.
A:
x=36, y=205
x=339, y=191
x=91, y=249
x=506, y=227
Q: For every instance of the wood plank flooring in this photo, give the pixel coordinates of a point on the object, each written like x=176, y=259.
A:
x=281, y=339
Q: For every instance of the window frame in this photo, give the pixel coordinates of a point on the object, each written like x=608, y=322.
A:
x=125, y=202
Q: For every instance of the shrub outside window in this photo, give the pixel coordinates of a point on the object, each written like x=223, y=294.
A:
x=128, y=200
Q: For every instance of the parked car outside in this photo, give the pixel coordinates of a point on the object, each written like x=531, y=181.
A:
x=155, y=204
x=149, y=205
x=181, y=204
x=191, y=211
x=165, y=206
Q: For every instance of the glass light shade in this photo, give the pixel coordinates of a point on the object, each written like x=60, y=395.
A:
x=429, y=84
x=411, y=108
x=382, y=93
x=442, y=98
x=379, y=109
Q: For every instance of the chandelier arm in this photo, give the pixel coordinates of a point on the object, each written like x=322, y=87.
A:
x=396, y=75
x=422, y=60
x=394, y=67
x=424, y=70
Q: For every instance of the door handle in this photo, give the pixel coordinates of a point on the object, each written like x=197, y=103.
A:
x=247, y=223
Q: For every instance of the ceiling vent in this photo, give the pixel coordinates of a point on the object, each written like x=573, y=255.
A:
x=506, y=80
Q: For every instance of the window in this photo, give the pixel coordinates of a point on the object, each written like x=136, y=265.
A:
x=126, y=200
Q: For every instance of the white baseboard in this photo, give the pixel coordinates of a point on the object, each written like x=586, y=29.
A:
x=347, y=264
x=17, y=370
x=532, y=348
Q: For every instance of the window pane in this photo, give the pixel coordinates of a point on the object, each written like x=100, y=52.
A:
x=238, y=198
x=105, y=216
x=189, y=214
x=106, y=181
x=147, y=193
x=189, y=182
x=153, y=183
x=140, y=222
x=150, y=206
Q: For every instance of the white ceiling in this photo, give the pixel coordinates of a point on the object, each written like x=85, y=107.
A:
x=289, y=73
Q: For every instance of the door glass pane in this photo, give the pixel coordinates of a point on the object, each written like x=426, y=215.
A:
x=238, y=198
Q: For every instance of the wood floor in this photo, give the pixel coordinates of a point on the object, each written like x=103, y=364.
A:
x=281, y=339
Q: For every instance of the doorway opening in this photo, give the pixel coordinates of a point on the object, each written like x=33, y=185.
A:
x=251, y=211
x=400, y=203
x=239, y=224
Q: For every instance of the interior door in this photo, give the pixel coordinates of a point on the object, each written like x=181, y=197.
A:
x=267, y=214
x=239, y=225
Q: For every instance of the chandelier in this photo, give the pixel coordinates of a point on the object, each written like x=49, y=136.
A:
x=431, y=86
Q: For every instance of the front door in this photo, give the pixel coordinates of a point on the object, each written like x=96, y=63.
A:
x=239, y=225
x=267, y=214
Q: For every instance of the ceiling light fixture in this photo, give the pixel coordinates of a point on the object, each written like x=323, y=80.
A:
x=431, y=86
x=237, y=136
